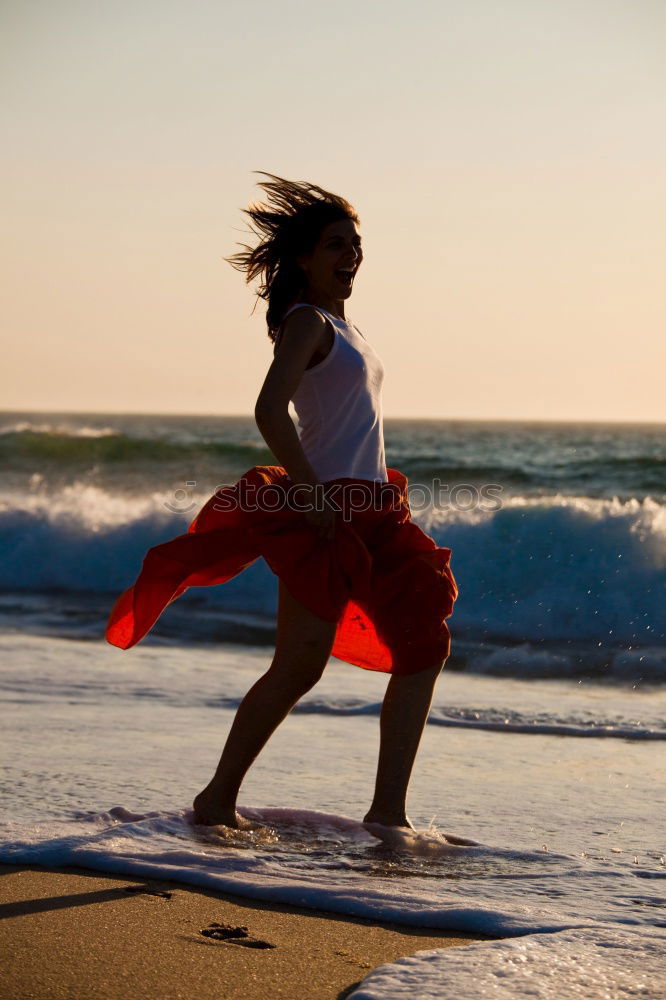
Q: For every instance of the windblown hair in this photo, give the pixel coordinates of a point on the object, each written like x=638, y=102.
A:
x=288, y=226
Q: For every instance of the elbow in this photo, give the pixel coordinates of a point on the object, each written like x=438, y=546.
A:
x=266, y=410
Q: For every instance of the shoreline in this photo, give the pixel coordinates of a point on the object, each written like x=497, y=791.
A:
x=73, y=932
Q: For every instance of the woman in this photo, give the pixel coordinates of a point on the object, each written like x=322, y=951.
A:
x=357, y=578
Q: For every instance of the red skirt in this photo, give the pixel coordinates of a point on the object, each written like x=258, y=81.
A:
x=386, y=584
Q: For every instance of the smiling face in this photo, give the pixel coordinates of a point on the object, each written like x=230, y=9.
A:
x=331, y=267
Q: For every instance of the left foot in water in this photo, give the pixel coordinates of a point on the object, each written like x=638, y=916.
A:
x=207, y=812
x=400, y=820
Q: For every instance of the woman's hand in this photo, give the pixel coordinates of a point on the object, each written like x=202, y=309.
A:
x=321, y=517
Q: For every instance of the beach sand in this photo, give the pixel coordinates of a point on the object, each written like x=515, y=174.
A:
x=68, y=932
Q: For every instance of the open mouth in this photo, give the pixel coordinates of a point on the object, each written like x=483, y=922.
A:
x=345, y=275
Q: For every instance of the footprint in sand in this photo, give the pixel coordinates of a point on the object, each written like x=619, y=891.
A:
x=234, y=935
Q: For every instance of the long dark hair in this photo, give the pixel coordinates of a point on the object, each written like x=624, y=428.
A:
x=288, y=226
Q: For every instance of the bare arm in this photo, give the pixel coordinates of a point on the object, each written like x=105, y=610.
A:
x=304, y=332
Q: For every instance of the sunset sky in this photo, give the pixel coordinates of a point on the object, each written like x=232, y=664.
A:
x=507, y=159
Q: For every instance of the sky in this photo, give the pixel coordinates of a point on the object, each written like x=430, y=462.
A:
x=507, y=159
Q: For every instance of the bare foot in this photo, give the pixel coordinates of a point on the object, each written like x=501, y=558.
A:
x=388, y=819
x=209, y=813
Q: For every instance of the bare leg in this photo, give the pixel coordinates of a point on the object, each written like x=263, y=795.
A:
x=403, y=717
x=304, y=644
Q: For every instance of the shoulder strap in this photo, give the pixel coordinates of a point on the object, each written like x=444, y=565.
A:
x=297, y=305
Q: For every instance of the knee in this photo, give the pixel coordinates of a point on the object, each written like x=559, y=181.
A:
x=432, y=673
x=429, y=675
x=305, y=680
x=300, y=680
x=300, y=671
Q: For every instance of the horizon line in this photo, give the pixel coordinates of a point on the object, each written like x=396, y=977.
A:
x=442, y=419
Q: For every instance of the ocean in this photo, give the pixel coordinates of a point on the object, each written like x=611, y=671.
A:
x=545, y=747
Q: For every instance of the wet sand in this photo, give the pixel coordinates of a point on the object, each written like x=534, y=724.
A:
x=71, y=933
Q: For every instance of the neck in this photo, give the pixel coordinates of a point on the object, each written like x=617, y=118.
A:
x=335, y=306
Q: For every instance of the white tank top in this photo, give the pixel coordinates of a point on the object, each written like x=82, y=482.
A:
x=339, y=407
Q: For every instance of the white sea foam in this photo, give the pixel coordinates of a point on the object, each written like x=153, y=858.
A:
x=586, y=964
x=275, y=866
x=84, y=508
